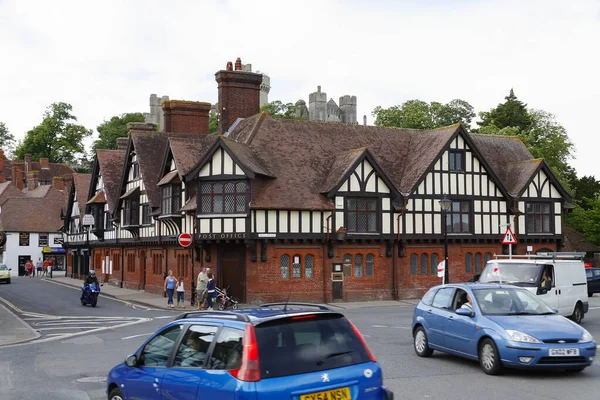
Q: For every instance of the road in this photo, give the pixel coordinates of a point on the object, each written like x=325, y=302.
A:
x=78, y=345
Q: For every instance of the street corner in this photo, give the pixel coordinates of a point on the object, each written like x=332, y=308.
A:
x=14, y=329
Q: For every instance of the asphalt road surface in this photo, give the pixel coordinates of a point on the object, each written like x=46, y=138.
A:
x=78, y=345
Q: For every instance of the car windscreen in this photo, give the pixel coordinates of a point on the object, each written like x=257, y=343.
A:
x=510, y=301
x=3, y=268
x=307, y=344
x=511, y=273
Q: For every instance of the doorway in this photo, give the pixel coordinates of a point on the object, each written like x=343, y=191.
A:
x=231, y=269
x=22, y=261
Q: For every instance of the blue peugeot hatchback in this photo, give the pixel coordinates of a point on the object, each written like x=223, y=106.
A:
x=278, y=351
x=500, y=326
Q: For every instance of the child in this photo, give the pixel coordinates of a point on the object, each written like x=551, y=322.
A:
x=180, y=291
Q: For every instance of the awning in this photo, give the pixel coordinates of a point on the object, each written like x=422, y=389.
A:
x=130, y=193
x=98, y=198
x=168, y=178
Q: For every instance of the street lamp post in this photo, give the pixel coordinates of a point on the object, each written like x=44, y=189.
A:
x=445, y=205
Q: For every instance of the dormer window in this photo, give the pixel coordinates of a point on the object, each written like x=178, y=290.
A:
x=361, y=215
x=227, y=197
x=131, y=211
x=135, y=167
x=171, y=199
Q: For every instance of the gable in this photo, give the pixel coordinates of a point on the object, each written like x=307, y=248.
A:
x=541, y=186
x=364, y=178
x=221, y=163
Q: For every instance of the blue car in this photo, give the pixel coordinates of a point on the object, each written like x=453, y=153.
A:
x=500, y=326
x=277, y=351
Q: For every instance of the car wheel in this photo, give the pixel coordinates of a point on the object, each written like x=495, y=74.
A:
x=115, y=394
x=577, y=315
x=421, y=343
x=8, y=281
x=489, y=358
x=235, y=306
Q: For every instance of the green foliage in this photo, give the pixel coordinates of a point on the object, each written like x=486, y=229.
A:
x=511, y=113
x=418, y=114
x=109, y=131
x=586, y=221
x=585, y=191
x=7, y=140
x=57, y=138
x=213, y=123
x=278, y=109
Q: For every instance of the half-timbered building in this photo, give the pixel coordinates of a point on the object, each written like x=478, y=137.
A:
x=293, y=209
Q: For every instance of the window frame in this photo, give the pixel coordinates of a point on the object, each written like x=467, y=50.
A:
x=173, y=348
x=529, y=215
x=40, y=242
x=131, y=211
x=450, y=215
x=452, y=157
x=245, y=195
x=146, y=218
x=361, y=211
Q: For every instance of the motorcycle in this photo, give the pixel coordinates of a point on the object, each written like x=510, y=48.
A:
x=90, y=294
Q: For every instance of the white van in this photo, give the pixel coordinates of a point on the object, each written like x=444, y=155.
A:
x=557, y=278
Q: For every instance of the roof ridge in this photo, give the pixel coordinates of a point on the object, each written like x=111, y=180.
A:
x=257, y=126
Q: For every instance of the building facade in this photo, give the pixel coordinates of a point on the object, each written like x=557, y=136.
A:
x=303, y=210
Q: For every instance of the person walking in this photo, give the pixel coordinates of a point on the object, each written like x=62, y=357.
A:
x=201, y=288
x=45, y=266
x=170, y=283
x=38, y=267
x=180, y=291
x=29, y=268
x=210, y=291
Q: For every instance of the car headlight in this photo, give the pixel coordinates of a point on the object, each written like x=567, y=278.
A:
x=521, y=337
x=587, y=337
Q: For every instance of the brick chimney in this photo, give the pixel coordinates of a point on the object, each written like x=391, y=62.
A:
x=32, y=180
x=1, y=166
x=68, y=181
x=27, y=162
x=18, y=177
x=185, y=116
x=58, y=183
x=122, y=143
x=239, y=95
x=44, y=164
x=141, y=126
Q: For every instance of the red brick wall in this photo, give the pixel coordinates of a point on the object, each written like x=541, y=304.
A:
x=186, y=116
x=239, y=96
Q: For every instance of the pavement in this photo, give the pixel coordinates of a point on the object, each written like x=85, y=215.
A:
x=14, y=329
x=158, y=301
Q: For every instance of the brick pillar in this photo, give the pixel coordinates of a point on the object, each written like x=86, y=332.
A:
x=185, y=116
x=18, y=177
x=58, y=183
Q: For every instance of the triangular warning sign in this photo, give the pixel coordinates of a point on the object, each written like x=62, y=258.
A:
x=509, y=237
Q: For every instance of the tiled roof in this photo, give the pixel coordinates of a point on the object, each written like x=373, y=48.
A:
x=150, y=148
x=33, y=214
x=247, y=157
x=300, y=153
x=111, y=169
x=190, y=205
x=130, y=192
x=188, y=151
x=98, y=198
x=168, y=178
x=341, y=165
x=519, y=174
x=576, y=241
x=8, y=189
x=82, y=185
x=45, y=174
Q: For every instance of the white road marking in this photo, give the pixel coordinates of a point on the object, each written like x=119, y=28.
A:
x=594, y=308
x=401, y=327
x=65, y=327
x=163, y=317
x=59, y=322
x=379, y=326
x=134, y=336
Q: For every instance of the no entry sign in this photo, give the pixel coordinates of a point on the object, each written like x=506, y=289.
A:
x=184, y=239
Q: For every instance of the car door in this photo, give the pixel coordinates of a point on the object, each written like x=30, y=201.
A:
x=186, y=374
x=436, y=315
x=595, y=283
x=551, y=296
x=459, y=330
x=143, y=382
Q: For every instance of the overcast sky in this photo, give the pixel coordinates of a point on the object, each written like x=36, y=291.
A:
x=106, y=57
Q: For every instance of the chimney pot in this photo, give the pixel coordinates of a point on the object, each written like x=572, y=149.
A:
x=44, y=163
x=141, y=126
x=28, y=162
x=229, y=66
x=238, y=64
x=58, y=183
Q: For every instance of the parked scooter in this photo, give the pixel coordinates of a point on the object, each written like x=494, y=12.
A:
x=90, y=294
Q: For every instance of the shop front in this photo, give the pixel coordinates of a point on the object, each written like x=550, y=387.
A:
x=58, y=257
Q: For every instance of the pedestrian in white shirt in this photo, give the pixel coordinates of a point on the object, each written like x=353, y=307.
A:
x=180, y=291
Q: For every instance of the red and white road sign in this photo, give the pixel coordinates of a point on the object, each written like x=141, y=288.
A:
x=509, y=237
x=184, y=239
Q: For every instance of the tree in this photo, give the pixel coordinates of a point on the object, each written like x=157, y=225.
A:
x=109, y=131
x=418, y=114
x=511, y=113
x=213, y=123
x=586, y=221
x=57, y=138
x=278, y=109
x=7, y=140
x=585, y=191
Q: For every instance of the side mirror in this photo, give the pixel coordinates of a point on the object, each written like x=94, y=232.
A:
x=10, y=269
x=555, y=310
x=465, y=312
x=131, y=360
x=542, y=291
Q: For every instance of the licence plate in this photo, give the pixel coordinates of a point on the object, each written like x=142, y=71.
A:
x=563, y=352
x=335, y=394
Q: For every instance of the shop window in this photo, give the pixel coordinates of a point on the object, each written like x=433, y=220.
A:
x=424, y=264
x=370, y=265
x=414, y=264
x=361, y=215
x=538, y=217
x=469, y=263
x=358, y=264
x=284, y=266
x=309, y=261
x=434, y=263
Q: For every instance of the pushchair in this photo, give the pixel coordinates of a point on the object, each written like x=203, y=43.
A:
x=224, y=299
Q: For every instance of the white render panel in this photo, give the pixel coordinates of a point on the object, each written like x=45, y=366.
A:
x=367, y=168
x=419, y=224
x=557, y=208
x=484, y=186
x=429, y=182
x=486, y=206
x=445, y=161
x=354, y=183
x=486, y=224
x=427, y=227
x=409, y=223
x=476, y=184
x=383, y=188
x=385, y=224
x=476, y=164
x=283, y=221
x=460, y=145
x=204, y=225
x=228, y=164
x=502, y=207
x=260, y=221
x=316, y=222
x=495, y=228
x=522, y=227
x=468, y=164
x=240, y=225
x=305, y=221
x=370, y=186
x=417, y=204
x=427, y=205
x=554, y=193
x=477, y=206
x=216, y=225
x=478, y=230
x=216, y=162
x=294, y=221
x=205, y=171
x=522, y=207
x=436, y=182
x=453, y=188
x=494, y=206
x=469, y=188
x=492, y=186
x=557, y=224
x=228, y=225
x=344, y=187
x=532, y=189
x=272, y=221
x=385, y=204
x=421, y=188
x=99, y=183
x=437, y=223
x=461, y=185
x=173, y=166
x=339, y=202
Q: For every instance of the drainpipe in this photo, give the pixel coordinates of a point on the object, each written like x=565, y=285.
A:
x=122, y=265
x=395, y=255
x=325, y=256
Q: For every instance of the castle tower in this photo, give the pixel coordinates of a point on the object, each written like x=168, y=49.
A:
x=155, y=116
x=265, y=88
x=317, y=105
x=301, y=110
x=348, y=109
x=333, y=112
